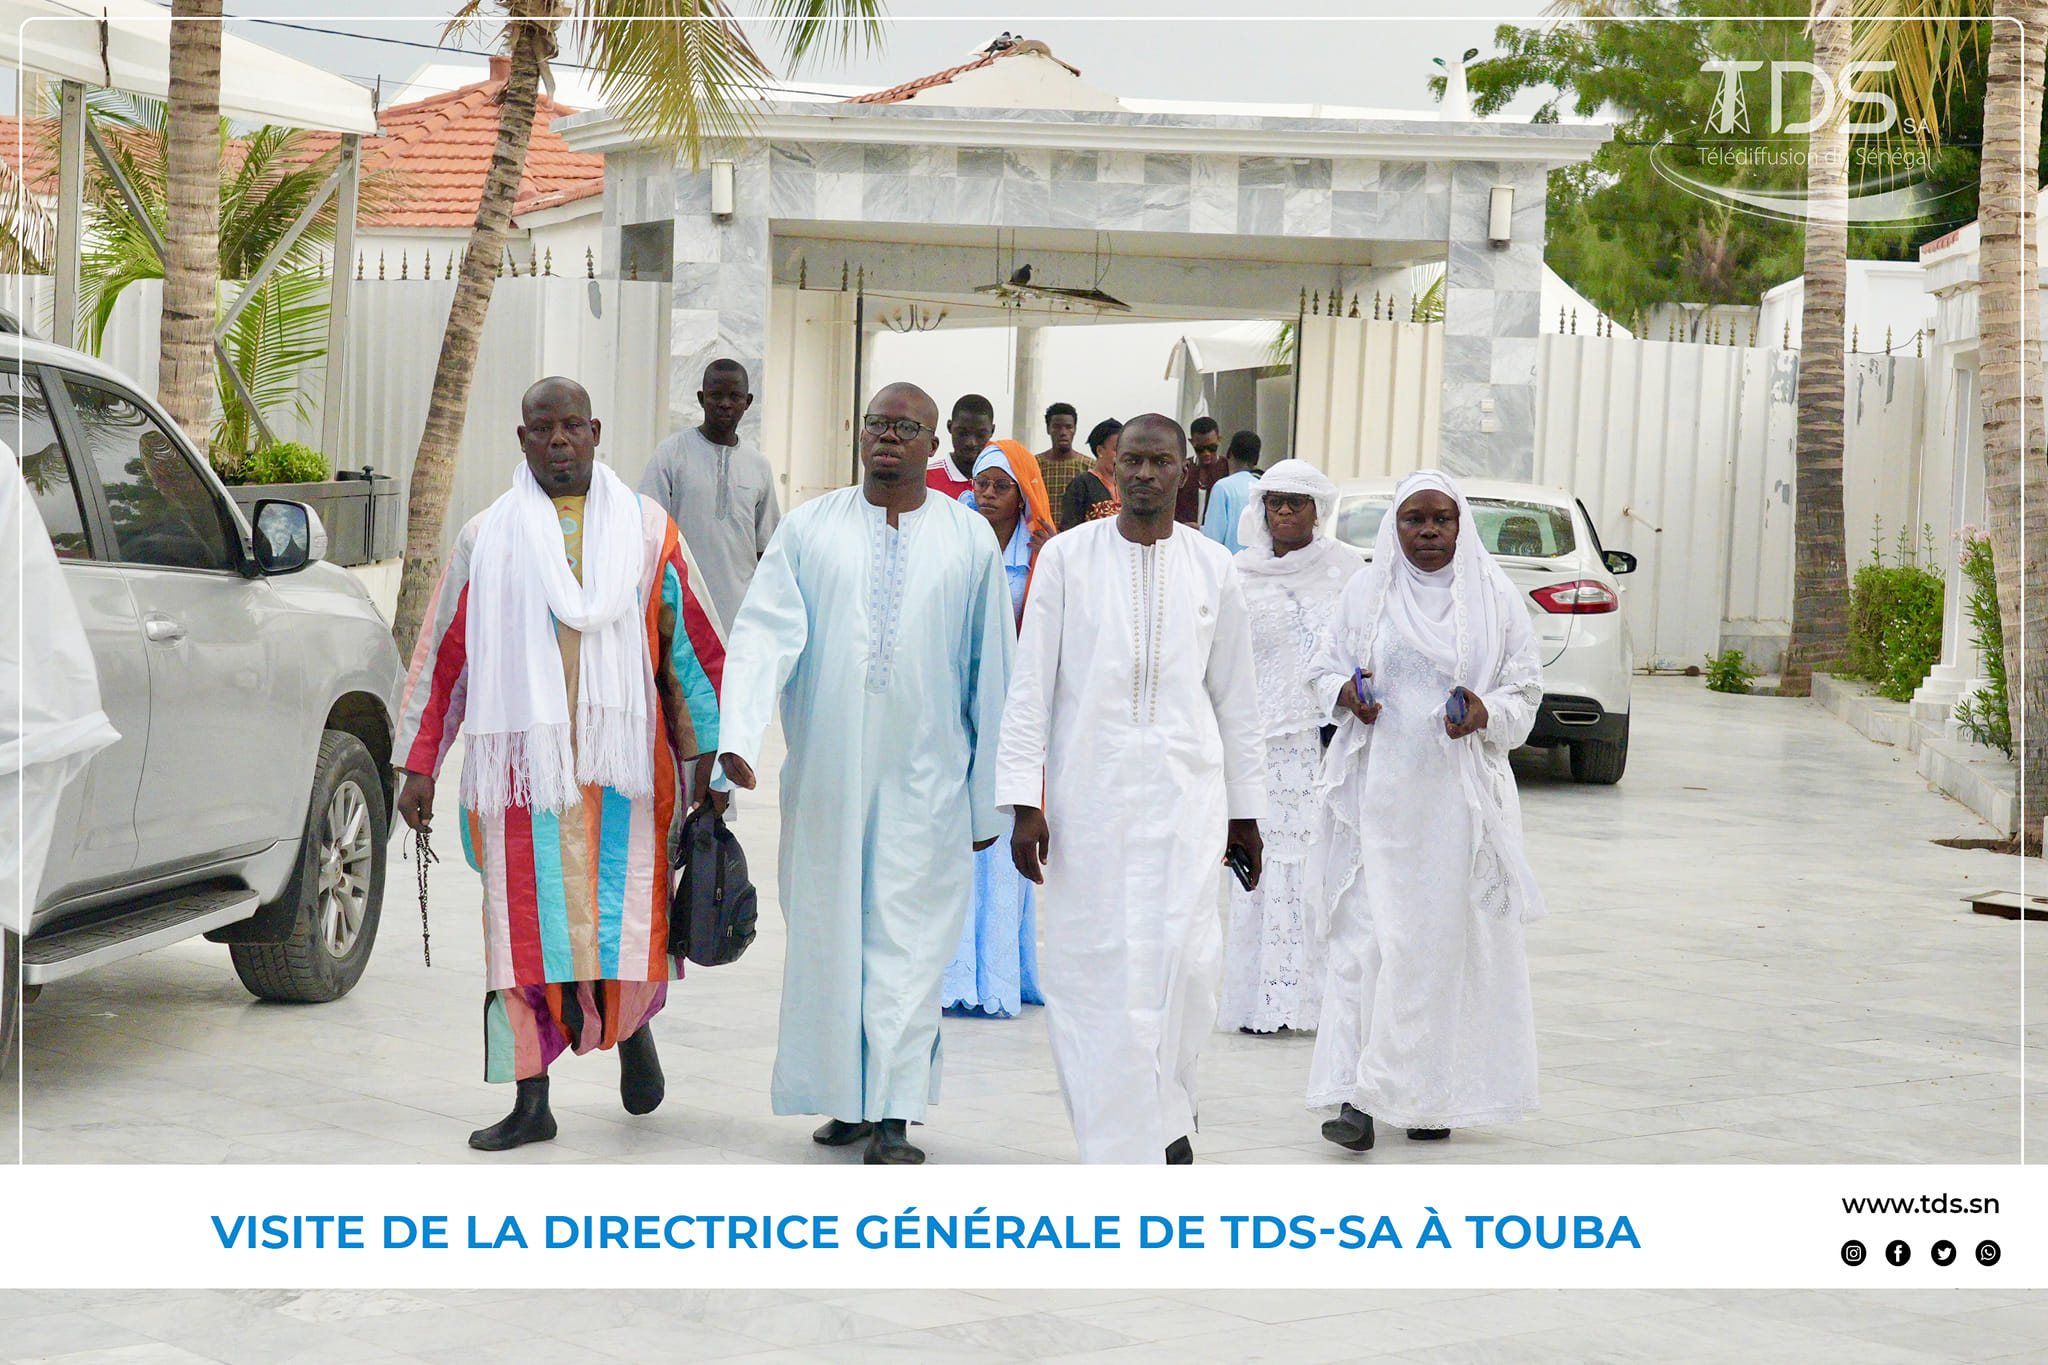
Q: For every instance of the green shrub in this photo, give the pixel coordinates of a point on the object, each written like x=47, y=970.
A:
x=1985, y=714
x=1895, y=618
x=285, y=462
x=1728, y=671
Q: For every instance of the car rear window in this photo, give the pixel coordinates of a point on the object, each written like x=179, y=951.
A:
x=1527, y=530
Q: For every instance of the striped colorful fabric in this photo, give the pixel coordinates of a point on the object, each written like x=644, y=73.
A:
x=579, y=896
x=527, y=1027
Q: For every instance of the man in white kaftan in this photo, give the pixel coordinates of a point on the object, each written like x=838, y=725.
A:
x=880, y=620
x=1134, y=711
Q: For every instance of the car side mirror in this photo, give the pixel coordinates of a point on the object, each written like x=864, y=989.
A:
x=1618, y=561
x=288, y=536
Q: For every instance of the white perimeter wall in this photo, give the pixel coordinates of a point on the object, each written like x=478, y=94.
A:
x=610, y=336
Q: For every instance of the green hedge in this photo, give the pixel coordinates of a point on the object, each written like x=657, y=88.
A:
x=1895, y=618
x=1986, y=713
x=285, y=462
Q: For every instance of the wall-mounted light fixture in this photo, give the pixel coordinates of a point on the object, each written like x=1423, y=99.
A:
x=722, y=189
x=1500, y=216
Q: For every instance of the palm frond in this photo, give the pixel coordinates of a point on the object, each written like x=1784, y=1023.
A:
x=1927, y=41
x=280, y=332
x=683, y=82
x=833, y=29
x=28, y=232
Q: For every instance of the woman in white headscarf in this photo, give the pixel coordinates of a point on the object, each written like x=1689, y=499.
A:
x=1426, y=1021
x=1293, y=571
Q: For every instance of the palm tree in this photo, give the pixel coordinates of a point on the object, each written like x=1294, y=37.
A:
x=1820, y=573
x=2009, y=350
x=265, y=181
x=674, y=70
x=185, y=379
x=2009, y=322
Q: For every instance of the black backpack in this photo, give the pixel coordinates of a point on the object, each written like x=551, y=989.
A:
x=712, y=913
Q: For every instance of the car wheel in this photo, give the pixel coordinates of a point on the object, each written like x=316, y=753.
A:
x=338, y=888
x=10, y=1001
x=1600, y=761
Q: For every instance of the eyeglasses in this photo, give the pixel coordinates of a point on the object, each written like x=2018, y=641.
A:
x=906, y=428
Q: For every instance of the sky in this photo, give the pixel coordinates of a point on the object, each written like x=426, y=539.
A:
x=1356, y=52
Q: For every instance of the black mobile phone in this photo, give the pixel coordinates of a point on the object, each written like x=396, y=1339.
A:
x=1240, y=865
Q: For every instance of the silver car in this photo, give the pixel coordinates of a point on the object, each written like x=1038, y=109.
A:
x=254, y=687
x=1543, y=538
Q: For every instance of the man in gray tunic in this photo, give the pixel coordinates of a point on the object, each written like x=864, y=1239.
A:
x=719, y=489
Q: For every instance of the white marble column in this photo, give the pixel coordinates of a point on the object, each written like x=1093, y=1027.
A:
x=1025, y=424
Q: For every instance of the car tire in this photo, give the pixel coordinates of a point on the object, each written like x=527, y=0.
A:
x=338, y=887
x=1600, y=762
x=10, y=1001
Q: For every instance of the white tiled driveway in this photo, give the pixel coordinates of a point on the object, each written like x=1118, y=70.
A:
x=1755, y=953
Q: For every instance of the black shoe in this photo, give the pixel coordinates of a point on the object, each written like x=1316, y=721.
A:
x=1428, y=1134
x=1255, y=1032
x=1351, y=1129
x=889, y=1146
x=837, y=1134
x=529, y=1120
x=1180, y=1152
x=641, y=1086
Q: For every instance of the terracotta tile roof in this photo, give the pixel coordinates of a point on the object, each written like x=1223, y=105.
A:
x=896, y=94
x=34, y=144
x=438, y=151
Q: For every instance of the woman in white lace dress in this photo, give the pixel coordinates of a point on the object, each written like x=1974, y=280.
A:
x=1293, y=572
x=1426, y=1021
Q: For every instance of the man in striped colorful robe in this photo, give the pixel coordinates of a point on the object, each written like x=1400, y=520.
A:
x=575, y=888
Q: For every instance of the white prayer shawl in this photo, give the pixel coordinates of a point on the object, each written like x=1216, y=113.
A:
x=1311, y=579
x=51, y=723
x=1133, y=722
x=518, y=723
x=1468, y=619
x=1273, y=960
x=1426, y=1018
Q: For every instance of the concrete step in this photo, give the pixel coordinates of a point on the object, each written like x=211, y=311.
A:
x=1983, y=779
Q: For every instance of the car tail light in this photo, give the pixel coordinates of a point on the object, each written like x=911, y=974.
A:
x=1581, y=597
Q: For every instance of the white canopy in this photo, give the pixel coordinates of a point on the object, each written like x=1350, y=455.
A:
x=1237, y=346
x=62, y=40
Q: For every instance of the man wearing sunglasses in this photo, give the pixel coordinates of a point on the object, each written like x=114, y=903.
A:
x=879, y=620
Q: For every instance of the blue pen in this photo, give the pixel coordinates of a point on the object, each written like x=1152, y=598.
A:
x=1360, y=688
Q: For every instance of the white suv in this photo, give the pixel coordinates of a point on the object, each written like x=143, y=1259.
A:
x=254, y=687
x=1545, y=541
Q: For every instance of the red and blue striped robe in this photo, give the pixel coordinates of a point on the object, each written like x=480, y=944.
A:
x=575, y=903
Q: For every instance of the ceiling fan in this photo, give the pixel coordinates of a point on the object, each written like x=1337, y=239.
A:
x=1017, y=289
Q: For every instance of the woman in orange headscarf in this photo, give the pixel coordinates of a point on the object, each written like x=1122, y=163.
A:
x=995, y=971
x=1009, y=489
